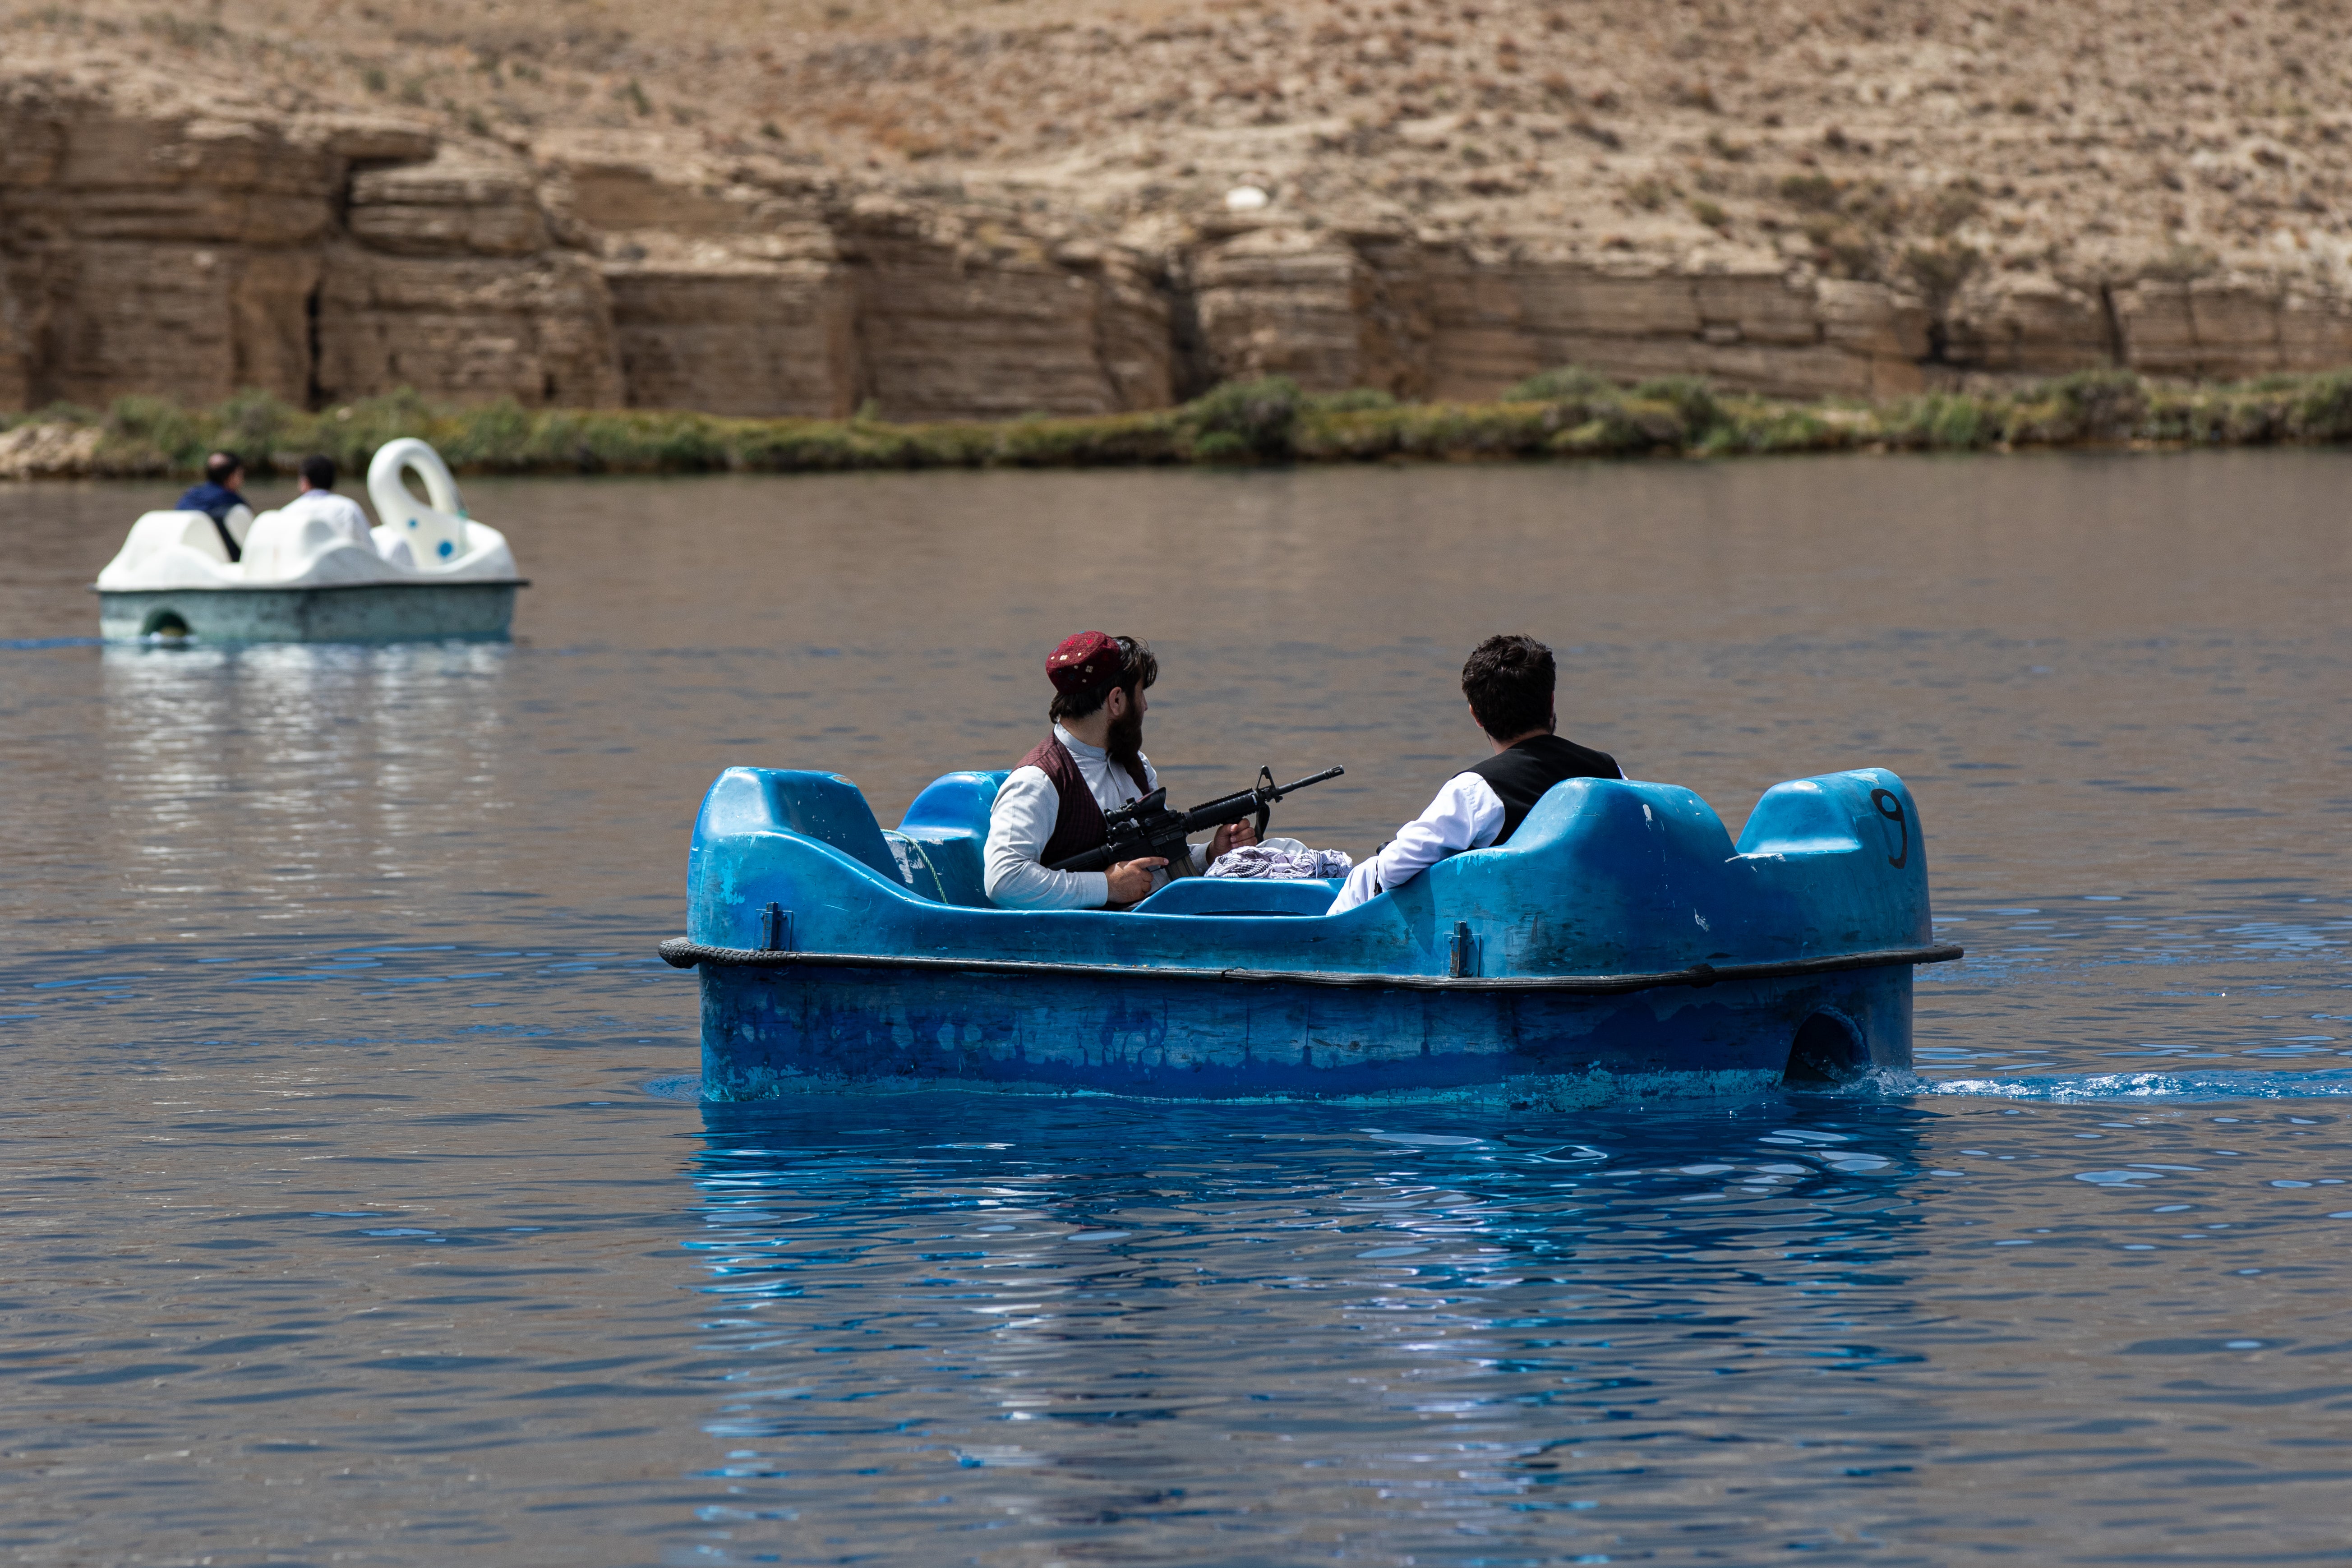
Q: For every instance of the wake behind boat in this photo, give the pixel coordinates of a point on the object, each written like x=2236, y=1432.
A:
x=1619, y=939
x=432, y=572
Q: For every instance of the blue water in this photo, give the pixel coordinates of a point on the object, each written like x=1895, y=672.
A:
x=359, y=1209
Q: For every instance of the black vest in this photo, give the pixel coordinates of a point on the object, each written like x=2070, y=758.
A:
x=1523, y=774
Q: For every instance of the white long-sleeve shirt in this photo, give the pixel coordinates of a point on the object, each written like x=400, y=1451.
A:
x=1021, y=820
x=339, y=513
x=1466, y=815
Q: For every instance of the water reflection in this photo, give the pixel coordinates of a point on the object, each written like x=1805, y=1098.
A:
x=337, y=1227
x=1423, y=1333
x=297, y=768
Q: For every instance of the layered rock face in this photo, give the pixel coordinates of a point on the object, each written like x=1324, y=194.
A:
x=157, y=249
x=155, y=254
x=783, y=208
x=727, y=293
x=336, y=258
x=193, y=255
x=1424, y=321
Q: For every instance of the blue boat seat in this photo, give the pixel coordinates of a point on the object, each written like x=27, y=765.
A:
x=914, y=869
x=946, y=833
x=826, y=807
x=1240, y=895
x=1804, y=816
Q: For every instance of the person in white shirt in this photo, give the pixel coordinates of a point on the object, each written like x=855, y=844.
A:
x=1051, y=804
x=1510, y=682
x=319, y=499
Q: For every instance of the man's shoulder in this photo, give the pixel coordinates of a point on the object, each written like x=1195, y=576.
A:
x=1465, y=791
x=327, y=501
x=1555, y=756
x=1028, y=776
x=1469, y=778
x=1025, y=792
x=1596, y=765
x=1045, y=755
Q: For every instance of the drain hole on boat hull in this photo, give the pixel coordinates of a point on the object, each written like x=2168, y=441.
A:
x=1827, y=1049
x=165, y=623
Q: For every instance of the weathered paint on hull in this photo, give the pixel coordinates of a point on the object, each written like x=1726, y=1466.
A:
x=766, y=1032
x=370, y=612
x=1620, y=941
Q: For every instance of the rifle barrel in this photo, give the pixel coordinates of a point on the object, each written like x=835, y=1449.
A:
x=1241, y=803
x=1144, y=834
x=1311, y=779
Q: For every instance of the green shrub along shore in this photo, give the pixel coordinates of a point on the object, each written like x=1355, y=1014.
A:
x=1559, y=413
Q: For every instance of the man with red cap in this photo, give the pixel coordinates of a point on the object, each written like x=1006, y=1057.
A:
x=1051, y=806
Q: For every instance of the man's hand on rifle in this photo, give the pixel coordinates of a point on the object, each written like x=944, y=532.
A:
x=1130, y=880
x=1231, y=836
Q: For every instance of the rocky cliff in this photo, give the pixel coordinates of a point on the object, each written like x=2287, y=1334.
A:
x=771, y=208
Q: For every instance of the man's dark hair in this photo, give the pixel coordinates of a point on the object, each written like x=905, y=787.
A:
x=1510, y=682
x=221, y=465
x=319, y=471
x=1138, y=667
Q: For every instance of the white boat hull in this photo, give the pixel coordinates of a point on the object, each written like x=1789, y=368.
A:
x=317, y=573
x=342, y=612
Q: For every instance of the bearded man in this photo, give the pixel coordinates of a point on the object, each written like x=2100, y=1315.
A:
x=1051, y=806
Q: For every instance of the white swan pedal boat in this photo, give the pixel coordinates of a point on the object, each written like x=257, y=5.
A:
x=434, y=572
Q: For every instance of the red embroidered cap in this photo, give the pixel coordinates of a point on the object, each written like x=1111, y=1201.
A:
x=1086, y=660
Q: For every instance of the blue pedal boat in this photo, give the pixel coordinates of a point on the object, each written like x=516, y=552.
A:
x=1619, y=943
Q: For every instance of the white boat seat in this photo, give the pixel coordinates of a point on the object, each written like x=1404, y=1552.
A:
x=157, y=531
x=278, y=546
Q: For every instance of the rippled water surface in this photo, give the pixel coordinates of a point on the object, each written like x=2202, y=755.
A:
x=358, y=1208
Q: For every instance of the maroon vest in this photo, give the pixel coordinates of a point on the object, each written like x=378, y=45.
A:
x=1078, y=823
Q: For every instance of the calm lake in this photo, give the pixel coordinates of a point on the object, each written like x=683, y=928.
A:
x=359, y=1208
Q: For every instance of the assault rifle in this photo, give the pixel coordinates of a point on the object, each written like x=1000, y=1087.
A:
x=1147, y=827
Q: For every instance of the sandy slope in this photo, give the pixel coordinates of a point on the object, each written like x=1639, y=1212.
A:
x=1914, y=142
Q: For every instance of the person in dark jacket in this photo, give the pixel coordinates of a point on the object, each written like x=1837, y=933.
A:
x=217, y=496
x=1510, y=682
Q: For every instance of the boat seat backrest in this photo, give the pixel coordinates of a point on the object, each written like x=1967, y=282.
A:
x=914, y=865
x=156, y=531
x=826, y=807
x=1607, y=837
x=950, y=821
x=1814, y=817
x=278, y=545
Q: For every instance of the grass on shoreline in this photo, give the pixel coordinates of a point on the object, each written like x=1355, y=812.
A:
x=1559, y=413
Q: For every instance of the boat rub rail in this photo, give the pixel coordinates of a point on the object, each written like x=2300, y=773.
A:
x=681, y=954
x=317, y=587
